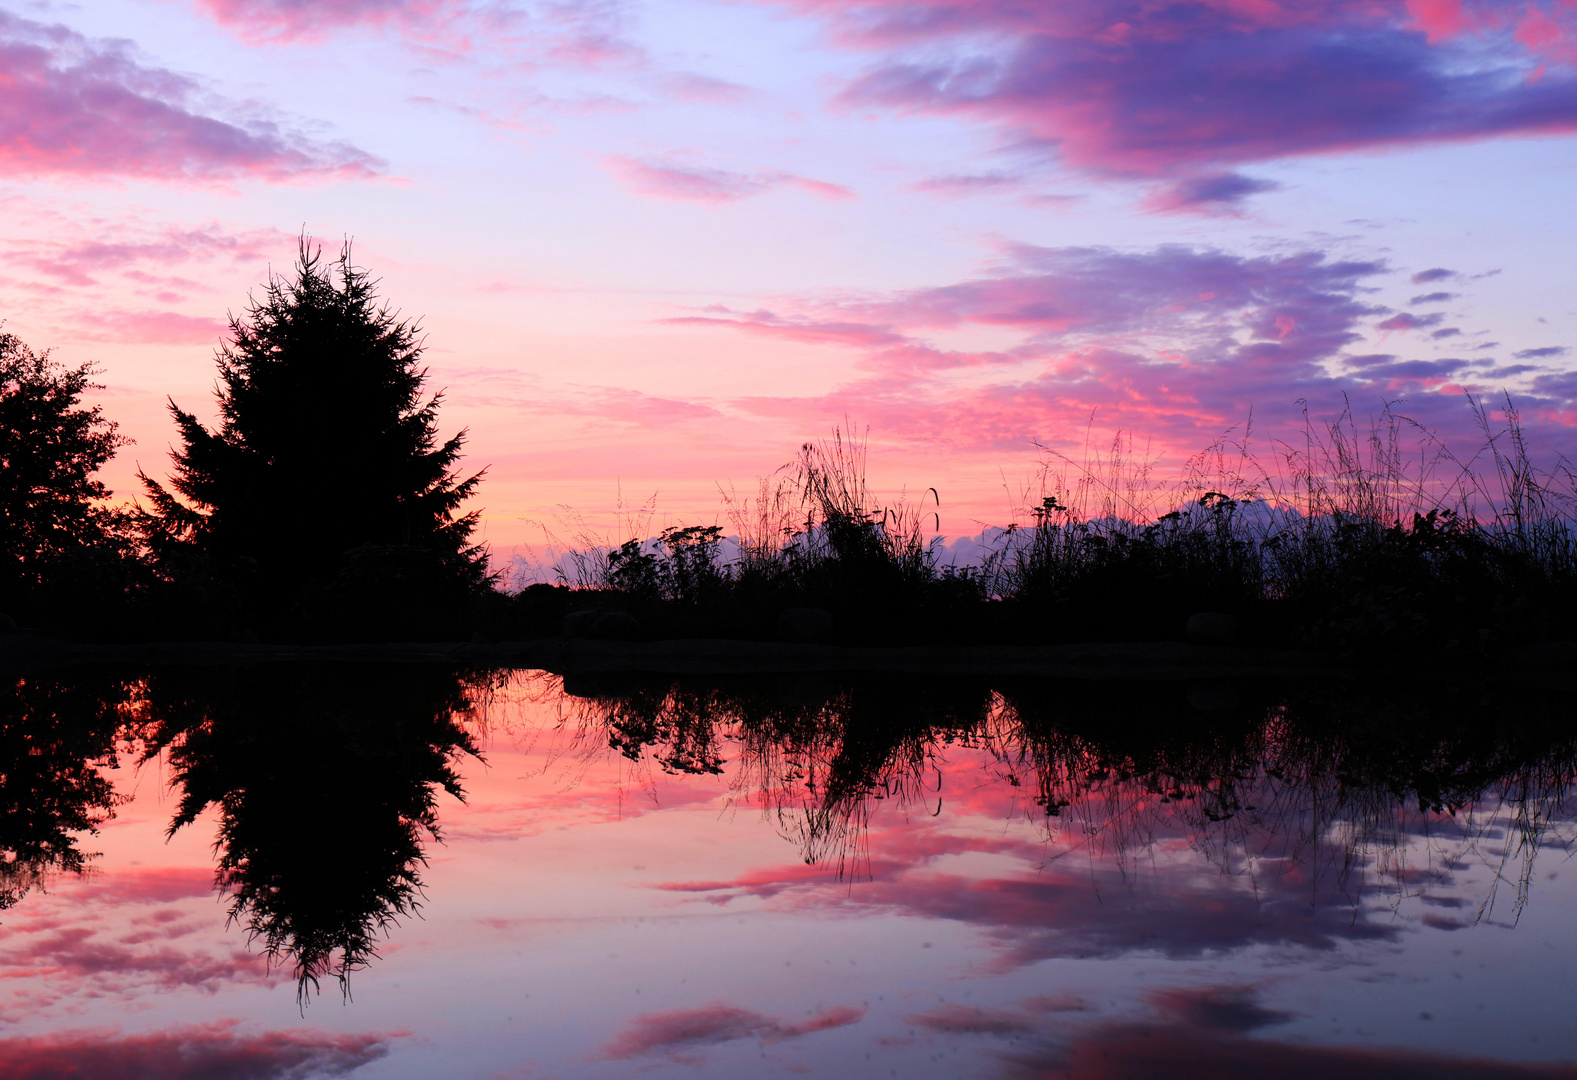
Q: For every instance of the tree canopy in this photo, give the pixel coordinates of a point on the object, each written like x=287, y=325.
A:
x=327, y=447
x=51, y=505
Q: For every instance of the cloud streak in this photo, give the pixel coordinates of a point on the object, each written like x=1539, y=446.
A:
x=197, y=1052
x=691, y=183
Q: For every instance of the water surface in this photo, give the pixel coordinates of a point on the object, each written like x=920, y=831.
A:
x=410, y=872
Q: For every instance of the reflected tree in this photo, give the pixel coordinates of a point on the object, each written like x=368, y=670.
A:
x=326, y=784
x=57, y=742
x=1320, y=788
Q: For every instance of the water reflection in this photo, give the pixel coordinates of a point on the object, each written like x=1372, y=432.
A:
x=1317, y=807
x=1316, y=810
x=326, y=783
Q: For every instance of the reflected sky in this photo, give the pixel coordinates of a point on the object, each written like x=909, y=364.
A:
x=780, y=878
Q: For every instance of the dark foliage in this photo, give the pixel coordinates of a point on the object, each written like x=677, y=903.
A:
x=325, y=488
x=66, y=560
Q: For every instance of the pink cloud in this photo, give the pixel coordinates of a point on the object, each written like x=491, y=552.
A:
x=619, y=404
x=679, y=1033
x=293, y=20
x=701, y=184
x=154, y=886
x=1186, y=90
x=552, y=33
x=70, y=105
x=130, y=962
x=705, y=90
x=196, y=1052
x=79, y=262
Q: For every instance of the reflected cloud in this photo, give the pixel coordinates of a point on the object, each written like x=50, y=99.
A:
x=196, y=1052
x=1176, y=1046
x=1167, y=831
x=678, y=1034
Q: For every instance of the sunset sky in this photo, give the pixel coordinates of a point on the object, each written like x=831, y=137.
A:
x=657, y=245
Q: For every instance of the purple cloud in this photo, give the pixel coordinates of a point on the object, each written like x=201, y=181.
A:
x=1543, y=353
x=1408, y=321
x=1181, y=89
x=76, y=106
x=1439, y=273
x=1433, y=298
x=1210, y=193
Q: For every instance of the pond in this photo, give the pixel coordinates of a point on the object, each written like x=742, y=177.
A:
x=293, y=871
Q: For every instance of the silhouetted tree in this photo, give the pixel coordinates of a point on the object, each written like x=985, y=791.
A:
x=325, y=478
x=53, y=524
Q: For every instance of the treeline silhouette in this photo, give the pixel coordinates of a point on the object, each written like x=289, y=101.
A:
x=326, y=506
x=1348, y=544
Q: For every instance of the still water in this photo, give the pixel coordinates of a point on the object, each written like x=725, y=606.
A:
x=384, y=872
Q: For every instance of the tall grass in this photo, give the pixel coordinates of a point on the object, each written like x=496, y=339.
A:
x=1358, y=536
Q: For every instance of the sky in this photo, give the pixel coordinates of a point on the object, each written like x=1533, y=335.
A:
x=655, y=246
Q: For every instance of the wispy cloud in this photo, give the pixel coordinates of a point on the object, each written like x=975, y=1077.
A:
x=73, y=105
x=694, y=183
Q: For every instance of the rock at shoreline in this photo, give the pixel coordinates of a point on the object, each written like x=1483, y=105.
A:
x=805, y=624
x=1211, y=628
x=8, y=625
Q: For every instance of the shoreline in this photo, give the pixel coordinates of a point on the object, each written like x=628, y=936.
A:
x=1146, y=661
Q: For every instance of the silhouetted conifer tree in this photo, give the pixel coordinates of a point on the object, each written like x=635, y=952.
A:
x=326, y=469
x=53, y=523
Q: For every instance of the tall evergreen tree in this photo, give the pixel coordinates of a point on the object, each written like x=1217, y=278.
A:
x=52, y=508
x=326, y=449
